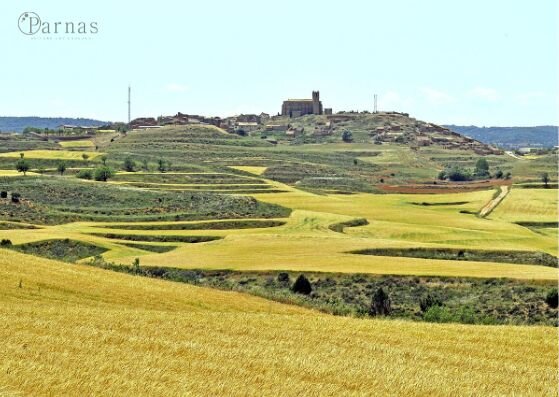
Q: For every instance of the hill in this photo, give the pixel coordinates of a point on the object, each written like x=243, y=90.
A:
x=18, y=124
x=512, y=137
x=87, y=331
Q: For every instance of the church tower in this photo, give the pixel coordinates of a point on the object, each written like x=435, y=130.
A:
x=316, y=105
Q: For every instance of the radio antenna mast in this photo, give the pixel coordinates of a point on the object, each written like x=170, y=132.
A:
x=129, y=91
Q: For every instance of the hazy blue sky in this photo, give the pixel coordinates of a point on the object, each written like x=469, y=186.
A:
x=465, y=62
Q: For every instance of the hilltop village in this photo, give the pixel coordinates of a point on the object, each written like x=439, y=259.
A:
x=308, y=121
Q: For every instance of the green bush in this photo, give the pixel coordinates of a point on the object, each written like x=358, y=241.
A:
x=347, y=136
x=283, y=278
x=84, y=174
x=426, y=302
x=129, y=165
x=463, y=315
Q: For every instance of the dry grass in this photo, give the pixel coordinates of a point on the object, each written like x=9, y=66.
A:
x=73, y=330
x=85, y=143
x=529, y=205
x=251, y=169
x=52, y=154
x=16, y=173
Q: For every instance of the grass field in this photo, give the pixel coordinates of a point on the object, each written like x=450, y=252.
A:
x=85, y=143
x=90, y=332
x=536, y=205
x=15, y=173
x=52, y=154
x=306, y=241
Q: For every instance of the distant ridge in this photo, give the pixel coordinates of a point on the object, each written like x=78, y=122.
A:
x=18, y=124
x=511, y=137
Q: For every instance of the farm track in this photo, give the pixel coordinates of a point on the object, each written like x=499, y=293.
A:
x=495, y=202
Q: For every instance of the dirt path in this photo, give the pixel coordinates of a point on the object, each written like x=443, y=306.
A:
x=490, y=206
x=514, y=155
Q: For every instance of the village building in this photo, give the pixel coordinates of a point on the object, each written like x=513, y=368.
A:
x=301, y=107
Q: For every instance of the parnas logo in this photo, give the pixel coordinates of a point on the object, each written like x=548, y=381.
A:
x=31, y=24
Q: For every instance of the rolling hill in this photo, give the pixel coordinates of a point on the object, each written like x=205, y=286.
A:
x=18, y=124
x=512, y=137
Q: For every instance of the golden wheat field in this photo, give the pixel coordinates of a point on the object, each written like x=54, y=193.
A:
x=52, y=154
x=74, y=330
x=306, y=242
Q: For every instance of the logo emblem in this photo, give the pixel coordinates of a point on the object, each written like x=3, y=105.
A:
x=29, y=23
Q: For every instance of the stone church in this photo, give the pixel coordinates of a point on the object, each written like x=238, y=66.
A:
x=301, y=107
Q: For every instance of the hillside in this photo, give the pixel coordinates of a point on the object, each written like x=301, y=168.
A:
x=18, y=124
x=90, y=332
x=512, y=137
x=172, y=276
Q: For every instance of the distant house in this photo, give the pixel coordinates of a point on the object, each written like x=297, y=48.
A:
x=276, y=127
x=264, y=117
x=247, y=127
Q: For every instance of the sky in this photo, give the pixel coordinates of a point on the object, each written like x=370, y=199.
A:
x=468, y=62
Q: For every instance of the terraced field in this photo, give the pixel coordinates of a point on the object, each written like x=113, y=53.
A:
x=91, y=332
x=82, y=143
x=393, y=221
x=195, y=181
x=229, y=205
x=51, y=154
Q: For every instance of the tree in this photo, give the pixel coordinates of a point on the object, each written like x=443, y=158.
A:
x=545, y=179
x=552, y=298
x=442, y=175
x=21, y=155
x=482, y=168
x=347, y=136
x=22, y=166
x=103, y=173
x=458, y=174
x=302, y=285
x=499, y=174
x=61, y=167
x=85, y=157
x=145, y=165
x=380, y=304
x=129, y=164
x=163, y=165
x=104, y=159
x=136, y=266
